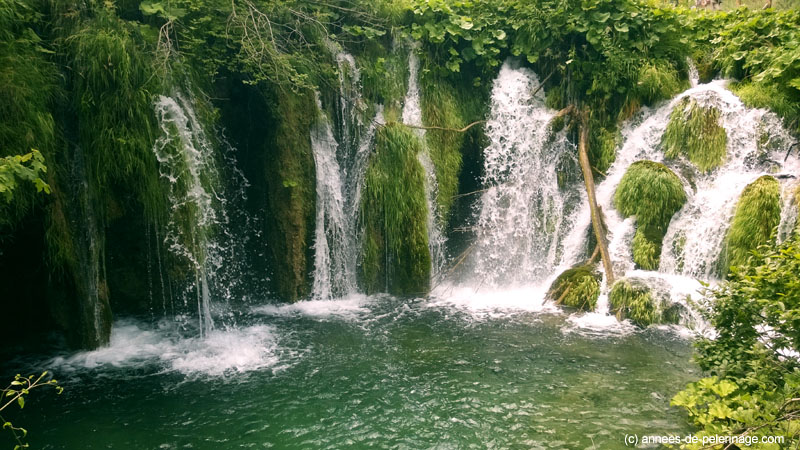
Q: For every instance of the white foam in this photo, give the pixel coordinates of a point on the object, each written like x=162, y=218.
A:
x=598, y=323
x=493, y=302
x=350, y=307
x=221, y=352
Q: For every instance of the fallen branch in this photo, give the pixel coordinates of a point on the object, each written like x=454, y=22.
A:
x=597, y=225
x=420, y=127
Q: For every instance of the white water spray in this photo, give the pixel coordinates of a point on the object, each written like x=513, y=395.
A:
x=524, y=213
x=198, y=228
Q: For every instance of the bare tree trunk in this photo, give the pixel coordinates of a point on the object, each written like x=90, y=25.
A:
x=597, y=224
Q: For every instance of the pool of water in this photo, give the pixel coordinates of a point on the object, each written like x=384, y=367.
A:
x=365, y=371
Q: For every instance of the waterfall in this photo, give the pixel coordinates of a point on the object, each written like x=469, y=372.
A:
x=90, y=277
x=789, y=211
x=412, y=115
x=198, y=229
x=524, y=214
x=340, y=169
x=694, y=75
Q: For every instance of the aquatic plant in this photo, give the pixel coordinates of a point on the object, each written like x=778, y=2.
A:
x=652, y=193
x=694, y=131
x=578, y=287
x=758, y=212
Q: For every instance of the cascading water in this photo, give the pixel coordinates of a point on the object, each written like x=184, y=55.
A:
x=340, y=169
x=198, y=231
x=527, y=206
x=412, y=115
x=533, y=219
x=691, y=247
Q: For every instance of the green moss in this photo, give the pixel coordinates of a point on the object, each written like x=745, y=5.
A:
x=383, y=73
x=394, y=213
x=448, y=104
x=769, y=96
x=653, y=194
x=646, y=251
x=291, y=180
x=658, y=82
x=694, y=131
x=114, y=84
x=603, y=148
x=633, y=301
x=757, y=214
x=578, y=287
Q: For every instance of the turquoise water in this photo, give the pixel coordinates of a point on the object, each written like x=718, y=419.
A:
x=366, y=372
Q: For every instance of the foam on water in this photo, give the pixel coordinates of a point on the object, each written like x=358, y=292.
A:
x=495, y=303
x=350, y=307
x=219, y=353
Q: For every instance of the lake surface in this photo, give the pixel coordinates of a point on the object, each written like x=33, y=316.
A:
x=366, y=372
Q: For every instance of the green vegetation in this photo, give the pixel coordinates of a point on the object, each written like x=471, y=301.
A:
x=448, y=104
x=577, y=287
x=758, y=213
x=756, y=47
x=289, y=174
x=29, y=167
x=753, y=387
x=653, y=194
x=659, y=82
x=694, y=131
x=394, y=213
x=15, y=394
x=630, y=300
x=641, y=304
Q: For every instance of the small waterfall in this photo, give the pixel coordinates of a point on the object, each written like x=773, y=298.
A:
x=694, y=75
x=412, y=115
x=788, y=211
x=524, y=214
x=697, y=231
x=198, y=231
x=336, y=237
x=90, y=278
x=340, y=169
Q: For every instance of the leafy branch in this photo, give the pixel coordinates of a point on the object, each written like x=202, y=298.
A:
x=15, y=394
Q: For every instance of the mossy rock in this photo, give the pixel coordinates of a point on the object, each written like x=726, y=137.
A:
x=652, y=193
x=578, y=287
x=643, y=304
x=757, y=214
x=694, y=131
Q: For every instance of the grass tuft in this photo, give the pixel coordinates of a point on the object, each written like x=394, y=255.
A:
x=694, y=131
x=653, y=194
x=758, y=213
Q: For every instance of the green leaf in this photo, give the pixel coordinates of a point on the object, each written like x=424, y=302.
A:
x=21, y=401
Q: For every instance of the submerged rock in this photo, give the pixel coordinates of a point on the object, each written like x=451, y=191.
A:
x=578, y=287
